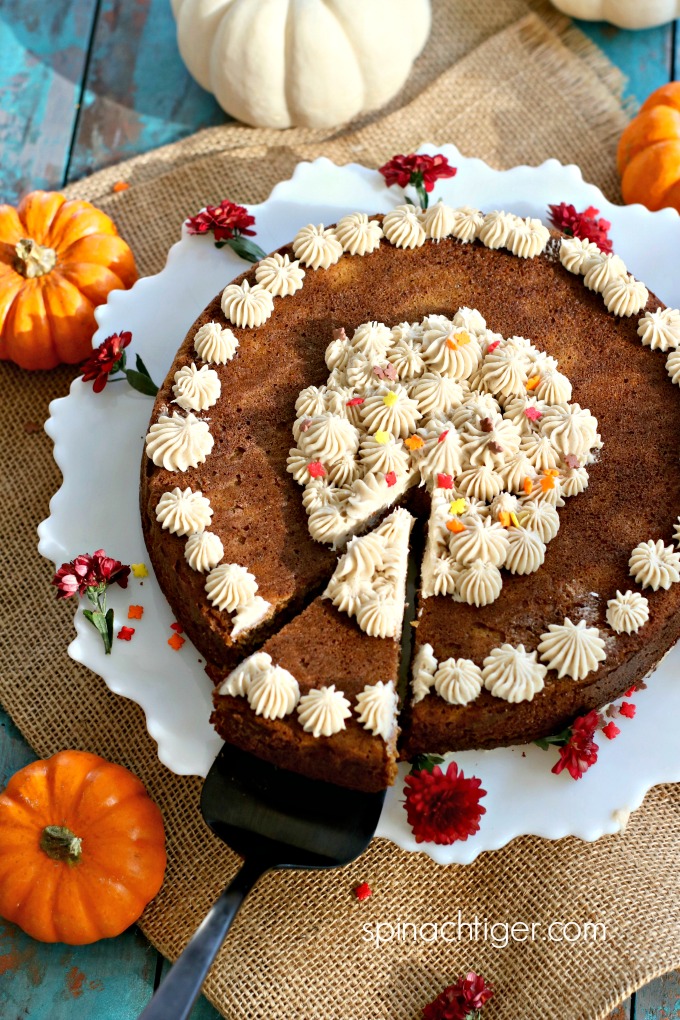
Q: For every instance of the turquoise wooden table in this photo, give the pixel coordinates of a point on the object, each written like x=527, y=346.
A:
x=83, y=84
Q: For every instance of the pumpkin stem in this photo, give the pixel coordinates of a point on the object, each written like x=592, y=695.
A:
x=33, y=259
x=61, y=844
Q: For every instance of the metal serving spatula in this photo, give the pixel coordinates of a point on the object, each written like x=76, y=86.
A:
x=274, y=819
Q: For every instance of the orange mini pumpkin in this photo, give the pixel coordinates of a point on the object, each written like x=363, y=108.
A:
x=649, y=151
x=59, y=259
x=82, y=849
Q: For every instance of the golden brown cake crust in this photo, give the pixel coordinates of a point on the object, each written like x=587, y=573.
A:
x=634, y=491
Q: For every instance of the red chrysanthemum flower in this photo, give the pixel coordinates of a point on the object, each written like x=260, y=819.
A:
x=106, y=359
x=460, y=1001
x=443, y=807
x=225, y=221
x=585, y=225
x=106, y=570
x=414, y=169
x=580, y=750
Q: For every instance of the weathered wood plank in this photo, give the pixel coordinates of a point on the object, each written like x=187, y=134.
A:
x=113, y=978
x=139, y=95
x=659, y=1000
x=44, y=49
x=645, y=57
x=624, y=1011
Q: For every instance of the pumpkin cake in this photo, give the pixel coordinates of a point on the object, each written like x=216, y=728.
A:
x=504, y=381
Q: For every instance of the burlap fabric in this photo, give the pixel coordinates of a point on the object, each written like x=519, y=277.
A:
x=511, y=83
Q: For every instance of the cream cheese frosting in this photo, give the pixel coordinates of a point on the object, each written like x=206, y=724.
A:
x=572, y=649
x=673, y=366
x=601, y=269
x=376, y=709
x=323, y=711
x=203, y=551
x=496, y=229
x=230, y=586
x=280, y=276
x=196, y=389
x=272, y=692
x=245, y=305
x=528, y=238
x=625, y=296
x=575, y=253
x=183, y=511
x=540, y=518
x=438, y=220
x=482, y=539
x=215, y=344
x=177, y=442
x=466, y=224
x=525, y=551
x=357, y=234
x=627, y=612
x=317, y=247
x=654, y=565
x=458, y=681
x=660, y=330
x=423, y=670
x=513, y=673
x=403, y=227
x=479, y=583
x=238, y=682
x=249, y=614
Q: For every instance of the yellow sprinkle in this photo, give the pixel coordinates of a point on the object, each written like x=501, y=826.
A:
x=463, y=338
x=533, y=382
x=390, y=399
x=458, y=506
x=139, y=570
x=382, y=437
x=513, y=518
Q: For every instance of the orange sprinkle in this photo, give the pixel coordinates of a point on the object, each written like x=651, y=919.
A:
x=455, y=526
x=548, y=479
x=414, y=442
x=121, y=186
x=135, y=612
x=176, y=642
x=505, y=518
x=451, y=343
x=533, y=382
x=528, y=486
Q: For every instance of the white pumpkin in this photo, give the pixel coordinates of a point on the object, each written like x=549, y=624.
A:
x=624, y=13
x=311, y=63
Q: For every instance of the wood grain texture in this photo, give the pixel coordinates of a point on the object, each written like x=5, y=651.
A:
x=138, y=93
x=645, y=57
x=44, y=51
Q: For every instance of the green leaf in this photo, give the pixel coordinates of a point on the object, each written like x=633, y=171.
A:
x=141, y=382
x=425, y=762
x=99, y=622
x=558, y=740
x=245, y=248
x=108, y=641
x=141, y=367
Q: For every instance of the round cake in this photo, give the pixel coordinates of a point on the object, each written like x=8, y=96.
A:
x=510, y=387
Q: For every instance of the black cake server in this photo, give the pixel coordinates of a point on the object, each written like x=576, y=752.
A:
x=273, y=819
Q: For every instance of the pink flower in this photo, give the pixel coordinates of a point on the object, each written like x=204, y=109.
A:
x=107, y=358
x=443, y=807
x=87, y=571
x=460, y=1001
x=225, y=221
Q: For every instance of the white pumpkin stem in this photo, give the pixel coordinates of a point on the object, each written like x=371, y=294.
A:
x=33, y=259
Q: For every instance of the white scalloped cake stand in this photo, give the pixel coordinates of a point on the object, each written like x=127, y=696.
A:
x=98, y=444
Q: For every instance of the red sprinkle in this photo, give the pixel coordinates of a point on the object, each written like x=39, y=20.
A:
x=627, y=708
x=355, y=401
x=611, y=730
x=176, y=642
x=316, y=469
x=125, y=633
x=391, y=478
x=363, y=891
x=492, y=347
x=630, y=692
x=445, y=481
x=443, y=435
x=177, y=627
x=532, y=413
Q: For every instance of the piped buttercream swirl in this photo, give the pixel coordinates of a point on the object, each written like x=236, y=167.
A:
x=280, y=276
x=317, y=247
x=357, y=234
x=513, y=673
x=247, y=306
x=203, y=551
x=183, y=511
x=422, y=673
x=178, y=442
x=660, y=330
x=458, y=681
x=215, y=344
x=627, y=612
x=230, y=586
x=323, y=711
x=273, y=692
x=572, y=649
x=196, y=389
x=377, y=709
x=403, y=228
x=654, y=565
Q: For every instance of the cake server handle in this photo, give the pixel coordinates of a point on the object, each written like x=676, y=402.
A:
x=180, y=989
